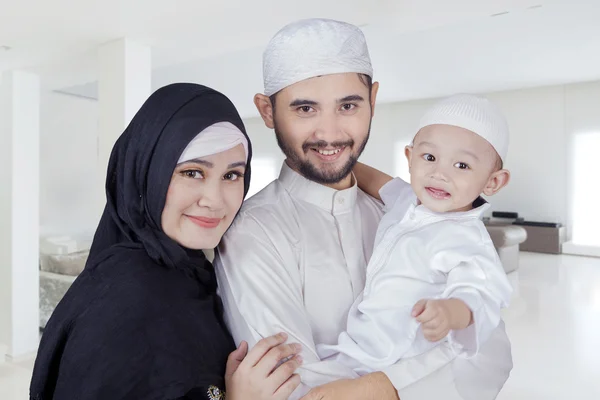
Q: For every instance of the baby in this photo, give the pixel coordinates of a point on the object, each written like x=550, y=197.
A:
x=434, y=277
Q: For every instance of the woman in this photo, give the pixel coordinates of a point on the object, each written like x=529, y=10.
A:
x=143, y=320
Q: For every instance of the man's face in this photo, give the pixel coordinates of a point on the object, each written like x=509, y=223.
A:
x=322, y=125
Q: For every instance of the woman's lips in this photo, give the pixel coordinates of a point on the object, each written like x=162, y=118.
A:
x=205, y=222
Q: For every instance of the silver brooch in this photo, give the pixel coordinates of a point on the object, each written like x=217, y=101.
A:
x=214, y=393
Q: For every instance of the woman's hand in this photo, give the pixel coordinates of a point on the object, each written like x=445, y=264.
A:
x=266, y=372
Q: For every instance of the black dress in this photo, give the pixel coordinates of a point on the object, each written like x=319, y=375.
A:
x=143, y=320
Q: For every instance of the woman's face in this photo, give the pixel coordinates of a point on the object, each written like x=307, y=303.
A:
x=204, y=196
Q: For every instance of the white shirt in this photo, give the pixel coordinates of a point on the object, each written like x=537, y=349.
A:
x=421, y=254
x=295, y=259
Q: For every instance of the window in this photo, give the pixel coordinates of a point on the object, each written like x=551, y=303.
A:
x=586, y=190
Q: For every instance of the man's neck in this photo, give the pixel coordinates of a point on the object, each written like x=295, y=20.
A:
x=345, y=183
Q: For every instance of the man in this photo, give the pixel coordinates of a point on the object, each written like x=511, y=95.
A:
x=294, y=259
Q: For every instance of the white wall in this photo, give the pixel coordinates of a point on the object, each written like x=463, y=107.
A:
x=536, y=157
x=543, y=123
x=266, y=156
x=537, y=154
x=68, y=163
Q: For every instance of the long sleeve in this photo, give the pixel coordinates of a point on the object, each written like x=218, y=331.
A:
x=397, y=191
x=432, y=376
x=475, y=276
x=280, y=268
x=381, y=331
x=380, y=328
x=261, y=288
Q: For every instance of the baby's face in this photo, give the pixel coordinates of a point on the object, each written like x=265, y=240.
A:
x=450, y=167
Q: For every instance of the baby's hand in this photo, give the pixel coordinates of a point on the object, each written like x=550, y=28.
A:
x=434, y=316
x=438, y=317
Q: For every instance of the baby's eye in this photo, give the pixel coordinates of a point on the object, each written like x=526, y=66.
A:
x=428, y=157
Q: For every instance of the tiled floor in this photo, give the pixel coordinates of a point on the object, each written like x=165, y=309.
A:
x=553, y=323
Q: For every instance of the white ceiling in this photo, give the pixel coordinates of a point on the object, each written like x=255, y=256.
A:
x=419, y=48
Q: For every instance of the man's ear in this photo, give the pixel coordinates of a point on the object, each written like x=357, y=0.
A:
x=265, y=108
x=497, y=181
x=374, y=90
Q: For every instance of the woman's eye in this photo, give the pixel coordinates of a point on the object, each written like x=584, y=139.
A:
x=428, y=157
x=232, y=176
x=194, y=174
x=461, y=165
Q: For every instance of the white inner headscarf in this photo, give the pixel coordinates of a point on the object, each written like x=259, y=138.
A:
x=217, y=138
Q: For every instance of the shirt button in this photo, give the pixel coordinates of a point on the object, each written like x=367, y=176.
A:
x=412, y=216
x=341, y=200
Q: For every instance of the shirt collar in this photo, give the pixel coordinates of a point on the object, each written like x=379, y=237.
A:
x=329, y=199
x=480, y=205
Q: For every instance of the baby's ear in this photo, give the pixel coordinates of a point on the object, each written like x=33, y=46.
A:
x=497, y=181
x=408, y=153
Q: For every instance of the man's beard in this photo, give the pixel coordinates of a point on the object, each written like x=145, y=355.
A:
x=312, y=172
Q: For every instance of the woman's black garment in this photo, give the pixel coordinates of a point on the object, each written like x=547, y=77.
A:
x=143, y=320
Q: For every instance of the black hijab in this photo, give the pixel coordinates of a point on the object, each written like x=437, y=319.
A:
x=140, y=169
x=143, y=319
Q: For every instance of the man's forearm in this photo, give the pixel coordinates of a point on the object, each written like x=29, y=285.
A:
x=375, y=386
x=370, y=180
x=379, y=387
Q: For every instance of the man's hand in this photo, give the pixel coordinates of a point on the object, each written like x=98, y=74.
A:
x=375, y=386
x=438, y=317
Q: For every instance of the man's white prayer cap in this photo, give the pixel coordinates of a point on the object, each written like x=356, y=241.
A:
x=313, y=47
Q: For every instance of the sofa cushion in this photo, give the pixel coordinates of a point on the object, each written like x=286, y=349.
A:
x=70, y=264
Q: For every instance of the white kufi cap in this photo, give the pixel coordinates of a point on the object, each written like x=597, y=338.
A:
x=313, y=47
x=474, y=113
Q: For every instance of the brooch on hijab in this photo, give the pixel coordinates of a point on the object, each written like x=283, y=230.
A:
x=214, y=393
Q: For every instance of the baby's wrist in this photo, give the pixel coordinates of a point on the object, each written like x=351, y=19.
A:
x=460, y=314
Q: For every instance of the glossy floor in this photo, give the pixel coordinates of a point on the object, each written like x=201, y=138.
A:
x=553, y=322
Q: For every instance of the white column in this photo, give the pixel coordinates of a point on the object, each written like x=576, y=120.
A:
x=19, y=212
x=125, y=82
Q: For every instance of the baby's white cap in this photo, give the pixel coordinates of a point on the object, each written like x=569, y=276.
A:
x=475, y=113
